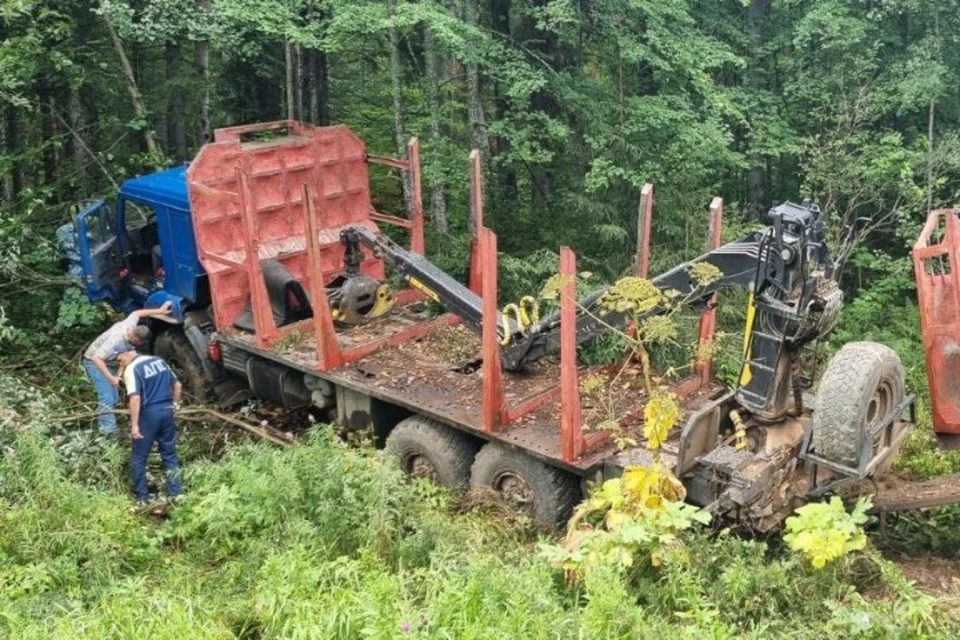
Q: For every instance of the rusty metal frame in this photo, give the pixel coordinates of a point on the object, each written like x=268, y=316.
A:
x=708, y=319
x=939, y=302
x=229, y=134
x=497, y=415
x=493, y=396
x=266, y=328
x=329, y=353
x=571, y=437
x=414, y=223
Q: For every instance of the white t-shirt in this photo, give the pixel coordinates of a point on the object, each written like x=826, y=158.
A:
x=109, y=343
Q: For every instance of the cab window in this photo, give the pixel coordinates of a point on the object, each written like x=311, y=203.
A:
x=99, y=227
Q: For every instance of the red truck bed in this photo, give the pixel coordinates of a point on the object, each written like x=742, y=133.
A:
x=286, y=199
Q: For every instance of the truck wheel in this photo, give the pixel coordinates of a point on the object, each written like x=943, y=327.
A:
x=429, y=449
x=545, y=494
x=174, y=347
x=862, y=384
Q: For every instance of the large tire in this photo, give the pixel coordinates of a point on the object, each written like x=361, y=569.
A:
x=174, y=347
x=428, y=449
x=544, y=493
x=861, y=386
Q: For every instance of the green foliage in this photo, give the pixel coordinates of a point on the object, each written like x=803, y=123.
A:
x=322, y=540
x=76, y=311
x=584, y=103
x=628, y=523
x=824, y=531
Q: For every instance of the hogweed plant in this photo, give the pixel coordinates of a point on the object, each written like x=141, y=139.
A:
x=638, y=516
x=824, y=531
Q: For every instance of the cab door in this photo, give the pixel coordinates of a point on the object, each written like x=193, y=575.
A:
x=103, y=269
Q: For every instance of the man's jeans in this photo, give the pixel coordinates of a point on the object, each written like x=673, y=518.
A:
x=156, y=425
x=106, y=395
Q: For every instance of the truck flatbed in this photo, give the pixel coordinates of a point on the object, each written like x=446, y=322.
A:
x=439, y=375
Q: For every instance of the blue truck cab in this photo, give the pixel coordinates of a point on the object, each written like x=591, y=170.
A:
x=141, y=252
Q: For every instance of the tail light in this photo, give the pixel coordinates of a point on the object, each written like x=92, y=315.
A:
x=214, y=352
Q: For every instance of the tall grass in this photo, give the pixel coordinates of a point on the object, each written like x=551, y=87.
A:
x=322, y=541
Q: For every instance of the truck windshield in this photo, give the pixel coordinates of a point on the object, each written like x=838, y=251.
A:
x=137, y=216
x=98, y=226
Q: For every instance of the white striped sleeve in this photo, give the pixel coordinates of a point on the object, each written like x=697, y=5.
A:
x=130, y=379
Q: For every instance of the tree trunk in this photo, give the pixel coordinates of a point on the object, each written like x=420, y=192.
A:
x=75, y=122
x=14, y=140
x=321, y=87
x=318, y=86
x=313, y=95
x=475, y=119
x=299, y=79
x=48, y=134
x=203, y=72
x=5, y=198
x=317, y=81
x=758, y=14
x=176, y=127
x=438, y=196
x=930, y=120
x=396, y=78
x=139, y=108
x=506, y=178
x=288, y=58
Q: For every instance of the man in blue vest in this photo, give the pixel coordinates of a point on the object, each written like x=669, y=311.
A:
x=153, y=393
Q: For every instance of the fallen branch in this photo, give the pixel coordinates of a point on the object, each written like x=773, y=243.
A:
x=194, y=413
x=264, y=433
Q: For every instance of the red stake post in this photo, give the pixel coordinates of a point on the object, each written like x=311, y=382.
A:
x=708, y=319
x=264, y=326
x=571, y=440
x=417, y=242
x=493, y=401
x=328, y=348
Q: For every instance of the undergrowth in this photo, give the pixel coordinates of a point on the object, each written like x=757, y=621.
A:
x=326, y=541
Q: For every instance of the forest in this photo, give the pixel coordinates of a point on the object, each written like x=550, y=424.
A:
x=573, y=106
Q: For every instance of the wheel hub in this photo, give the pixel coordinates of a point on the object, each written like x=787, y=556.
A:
x=878, y=410
x=516, y=492
x=419, y=466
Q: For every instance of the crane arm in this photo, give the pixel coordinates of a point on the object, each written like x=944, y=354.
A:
x=736, y=262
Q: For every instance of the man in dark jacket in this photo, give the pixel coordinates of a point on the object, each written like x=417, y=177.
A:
x=153, y=393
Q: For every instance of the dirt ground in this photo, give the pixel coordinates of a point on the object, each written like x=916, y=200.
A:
x=934, y=575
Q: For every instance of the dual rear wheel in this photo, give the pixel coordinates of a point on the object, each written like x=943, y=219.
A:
x=862, y=385
x=427, y=448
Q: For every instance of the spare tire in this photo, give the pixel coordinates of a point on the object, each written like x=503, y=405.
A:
x=862, y=385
